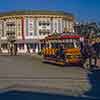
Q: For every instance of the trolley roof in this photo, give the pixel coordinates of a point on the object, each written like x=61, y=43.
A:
x=62, y=36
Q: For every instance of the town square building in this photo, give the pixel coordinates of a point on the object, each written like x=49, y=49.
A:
x=29, y=27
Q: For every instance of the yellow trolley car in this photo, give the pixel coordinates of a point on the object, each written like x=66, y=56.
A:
x=62, y=49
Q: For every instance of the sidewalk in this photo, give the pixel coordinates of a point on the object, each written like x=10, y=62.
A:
x=37, y=56
x=19, y=54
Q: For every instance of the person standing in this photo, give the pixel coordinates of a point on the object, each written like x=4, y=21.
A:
x=11, y=50
x=94, y=52
x=96, y=47
x=99, y=50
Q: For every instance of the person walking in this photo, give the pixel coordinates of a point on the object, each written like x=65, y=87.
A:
x=87, y=53
x=15, y=49
x=94, y=53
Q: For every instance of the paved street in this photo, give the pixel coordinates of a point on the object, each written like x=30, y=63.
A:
x=28, y=72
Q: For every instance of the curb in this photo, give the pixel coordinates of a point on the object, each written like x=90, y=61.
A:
x=37, y=56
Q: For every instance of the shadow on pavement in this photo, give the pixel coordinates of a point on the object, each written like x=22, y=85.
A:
x=18, y=95
x=94, y=79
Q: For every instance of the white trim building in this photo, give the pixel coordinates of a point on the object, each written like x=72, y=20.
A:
x=31, y=26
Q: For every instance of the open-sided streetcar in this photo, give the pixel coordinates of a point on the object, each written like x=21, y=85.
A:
x=62, y=49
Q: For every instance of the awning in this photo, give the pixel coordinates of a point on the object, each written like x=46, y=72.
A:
x=27, y=41
x=22, y=41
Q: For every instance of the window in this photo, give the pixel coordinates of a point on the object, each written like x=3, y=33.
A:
x=69, y=45
x=31, y=45
x=4, y=46
x=40, y=24
x=27, y=26
x=19, y=24
x=19, y=33
x=31, y=24
x=43, y=23
x=31, y=33
x=21, y=46
x=35, y=34
x=48, y=24
x=59, y=26
x=31, y=20
x=39, y=33
x=55, y=25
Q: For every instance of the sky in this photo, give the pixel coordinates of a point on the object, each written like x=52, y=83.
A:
x=83, y=10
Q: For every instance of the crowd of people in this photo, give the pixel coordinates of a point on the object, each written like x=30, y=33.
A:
x=90, y=51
